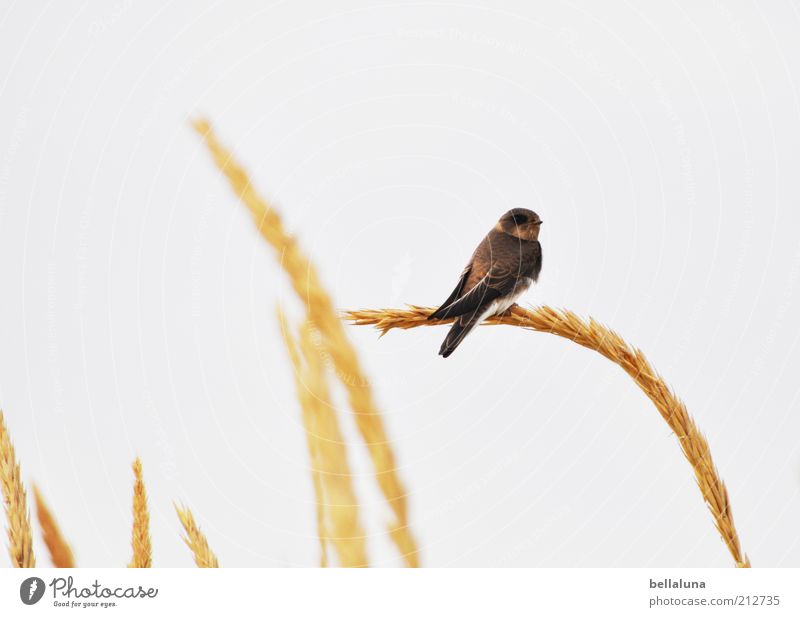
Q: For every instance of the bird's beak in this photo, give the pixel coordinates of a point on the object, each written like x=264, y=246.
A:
x=539, y=222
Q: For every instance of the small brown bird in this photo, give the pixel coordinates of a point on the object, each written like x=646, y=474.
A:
x=507, y=261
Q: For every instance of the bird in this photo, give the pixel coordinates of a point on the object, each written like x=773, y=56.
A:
x=505, y=264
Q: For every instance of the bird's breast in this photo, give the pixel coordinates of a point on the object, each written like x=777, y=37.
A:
x=502, y=304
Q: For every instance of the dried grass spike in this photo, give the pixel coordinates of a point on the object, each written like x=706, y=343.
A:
x=20, y=538
x=60, y=552
x=608, y=343
x=204, y=557
x=140, y=536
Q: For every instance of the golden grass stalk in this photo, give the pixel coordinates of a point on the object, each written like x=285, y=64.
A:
x=20, y=538
x=140, y=536
x=204, y=557
x=319, y=495
x=337, y=506
x=60, y=552
x=307, y=408
x=321, y=312
x=609, y=344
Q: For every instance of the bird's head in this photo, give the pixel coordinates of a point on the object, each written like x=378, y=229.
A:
x=520, y=223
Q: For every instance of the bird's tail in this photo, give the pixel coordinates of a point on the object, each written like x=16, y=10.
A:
x=460, y=329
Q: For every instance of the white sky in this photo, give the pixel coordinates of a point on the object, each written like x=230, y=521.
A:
x=660, y=146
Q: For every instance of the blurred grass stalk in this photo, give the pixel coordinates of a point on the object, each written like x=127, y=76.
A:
x=60, y=552
x=322, y=314
x=337, y=506
x=609, y=344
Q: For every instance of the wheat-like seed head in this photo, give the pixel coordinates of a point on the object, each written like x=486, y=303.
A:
x=60, y=552
x=204, y=557
x=20, y=538
x=140, y=536
x=594, y=335
x=320, y=310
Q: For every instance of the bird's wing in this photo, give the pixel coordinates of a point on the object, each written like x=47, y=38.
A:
x=499, y=281
x=456, y=292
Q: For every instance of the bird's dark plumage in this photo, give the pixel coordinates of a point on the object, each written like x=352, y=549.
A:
x=507, y=261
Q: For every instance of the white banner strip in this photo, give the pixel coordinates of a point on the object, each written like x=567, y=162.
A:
x=407, y=593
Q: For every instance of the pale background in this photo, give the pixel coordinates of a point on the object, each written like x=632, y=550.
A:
x=660, y=146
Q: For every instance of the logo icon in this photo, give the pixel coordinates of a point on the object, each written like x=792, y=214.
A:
x=31, y=590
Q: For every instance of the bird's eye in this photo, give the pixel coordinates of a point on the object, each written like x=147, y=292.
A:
x=519, y=219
